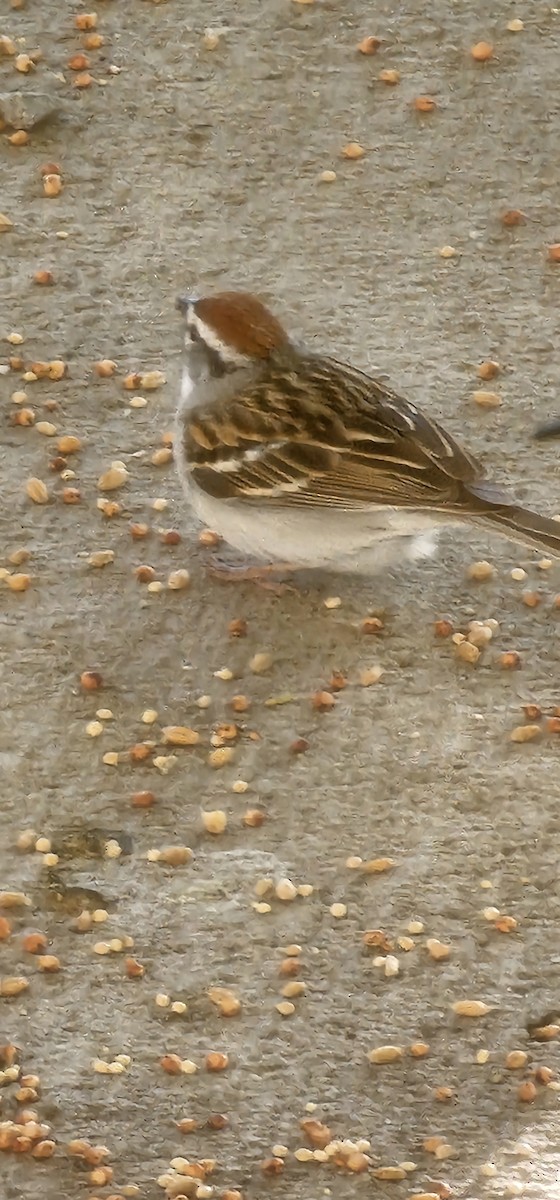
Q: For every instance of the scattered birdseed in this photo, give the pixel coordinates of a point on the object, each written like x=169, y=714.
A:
x=385, y=1054
x=260, y=662
x=286, y=890
x=481, y=571
x=338, y=911
x=482, y=51
x=214, y=821
x=437, y=950
x=94, y=728
x=471, y=1008
x=525, y=733
x=352, y=150
x=285, y=1008
x=178, y=580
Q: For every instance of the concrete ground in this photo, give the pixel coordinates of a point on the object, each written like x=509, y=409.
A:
x=195, y=160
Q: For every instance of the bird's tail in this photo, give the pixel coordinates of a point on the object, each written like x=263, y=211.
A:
x=522, y=525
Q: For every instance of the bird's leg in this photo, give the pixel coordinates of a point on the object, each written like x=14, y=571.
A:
x=262, y=575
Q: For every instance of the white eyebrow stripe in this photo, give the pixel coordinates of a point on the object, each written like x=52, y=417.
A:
x=210, y=337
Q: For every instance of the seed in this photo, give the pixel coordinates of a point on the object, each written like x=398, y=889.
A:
x=162, y=456
x=91, y=680
x=471, y=1008
x=179, y=735
x=286, y=1008
x=377, y=866
x=370, y=675
x=112, y=479
x=178, y=580
x=221, y=757
x=327, y=176
x=37, y=491
x=208, y=537
x=419, y=1049
x=12, y=985
x=253, y=818
x=216, y=1061
x=424, y=104
x=516, y=1059
x=34, y=942
x=515, y=26
x=526, y=1092
x=295, y=988
x=171, y=1064
x=228, y=1003
x=372, y=625
x=52, y=185
x=18, y=582
x=385, y=1054
x=338, y=911
x=487, y=399
x=85, y=20
x=553, y=253
x=68, y=444
x=525, y=733
x=390, y=77
x=480, y=571
x=316, y=1132
x=482, y=51
x=546, y=1033
x=437, y=950
x=488, y=369
x=322, y=701
x=101, y=558
x=260, y=662
x=510, y=660
x=531, y=599
x=467, y=652
x=48, y=963
x=214, y=821
x=352, y=150
x=175, y=856
x=389, y=1173
x=505, y=924
x=23, y=63
x=369, y=45
x=152, y=380
x=286, y=890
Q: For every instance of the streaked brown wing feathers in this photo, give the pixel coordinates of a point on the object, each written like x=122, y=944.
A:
x=331, y=436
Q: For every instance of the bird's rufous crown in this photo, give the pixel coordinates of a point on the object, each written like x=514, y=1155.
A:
x=242, y=322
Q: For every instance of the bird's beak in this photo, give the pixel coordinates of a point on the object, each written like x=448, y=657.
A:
x=183, y=303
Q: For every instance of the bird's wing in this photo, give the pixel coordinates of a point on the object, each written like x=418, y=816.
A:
x=328, y=435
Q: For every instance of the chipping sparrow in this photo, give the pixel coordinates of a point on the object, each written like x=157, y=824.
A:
x=301, y=460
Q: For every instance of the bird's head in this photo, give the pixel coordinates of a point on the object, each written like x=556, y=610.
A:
x=229, y=331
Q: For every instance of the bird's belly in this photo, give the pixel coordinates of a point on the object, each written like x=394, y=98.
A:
x=357, y=542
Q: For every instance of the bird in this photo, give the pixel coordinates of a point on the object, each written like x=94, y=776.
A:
x=299, y=461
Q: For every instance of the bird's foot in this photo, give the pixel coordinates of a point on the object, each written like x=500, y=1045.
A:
x=262, y=575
